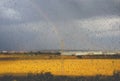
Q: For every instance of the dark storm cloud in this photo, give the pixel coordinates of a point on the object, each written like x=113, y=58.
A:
x=17, y=12
x=44, y=24
x=78, y=9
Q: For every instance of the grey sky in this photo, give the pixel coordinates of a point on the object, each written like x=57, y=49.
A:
x=47, y=24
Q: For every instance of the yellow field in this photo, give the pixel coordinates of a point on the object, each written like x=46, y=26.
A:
x=73, y=67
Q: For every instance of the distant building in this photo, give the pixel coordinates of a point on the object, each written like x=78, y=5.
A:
x=109, y=53
x=4, y=51
x=77, y=53
x=89, y=53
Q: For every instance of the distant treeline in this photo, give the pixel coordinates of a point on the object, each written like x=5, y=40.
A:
x=55, y=55
x=49, y=77
x=116, y=56
x=31, y=52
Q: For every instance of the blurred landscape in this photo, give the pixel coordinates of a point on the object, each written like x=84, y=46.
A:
x=59, y=40
x=59, y=66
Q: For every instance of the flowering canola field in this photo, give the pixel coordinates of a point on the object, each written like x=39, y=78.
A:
x=70, y=67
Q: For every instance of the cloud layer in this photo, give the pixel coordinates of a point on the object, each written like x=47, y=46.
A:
x=59, y=24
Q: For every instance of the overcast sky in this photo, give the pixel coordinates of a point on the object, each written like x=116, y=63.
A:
x=60, y=24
